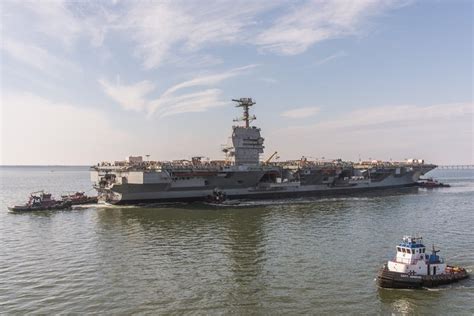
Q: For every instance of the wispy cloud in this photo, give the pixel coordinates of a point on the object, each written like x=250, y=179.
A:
x=59, y=20
x=190, y=103
x=301, y=112
x=52, y=19
x=182, y=32
x=316, y=21
x=384, y=117
x=130, y=97
x=330, y=57
x=42, y=35
x=36, y=57
x=185, y=27
x=176, y=99
x=211, y=96
x=441, y=133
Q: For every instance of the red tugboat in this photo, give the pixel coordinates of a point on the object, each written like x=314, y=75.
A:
x=430, y=183
x=41, y=201
x=413, y=268
x=78, y=198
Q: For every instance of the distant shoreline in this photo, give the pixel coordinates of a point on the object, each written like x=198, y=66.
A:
x=9, y=166
x=93, y=164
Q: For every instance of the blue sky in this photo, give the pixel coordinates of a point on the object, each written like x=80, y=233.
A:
x=86, y=81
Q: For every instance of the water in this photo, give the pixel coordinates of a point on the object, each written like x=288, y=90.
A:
x=279, y=257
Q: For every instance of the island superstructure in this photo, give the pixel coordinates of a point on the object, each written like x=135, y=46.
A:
x=242, y=175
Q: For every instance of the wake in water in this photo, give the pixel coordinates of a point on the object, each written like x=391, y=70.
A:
x=273, y=202
x=247, y=203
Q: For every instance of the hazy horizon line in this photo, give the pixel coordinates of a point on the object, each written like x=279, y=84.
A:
x=91, y=165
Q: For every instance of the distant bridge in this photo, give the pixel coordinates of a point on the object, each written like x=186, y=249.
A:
x=470, y=167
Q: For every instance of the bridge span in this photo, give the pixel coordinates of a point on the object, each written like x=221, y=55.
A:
x=456, y=167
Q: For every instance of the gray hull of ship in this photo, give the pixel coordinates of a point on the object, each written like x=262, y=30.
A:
x=151, y=193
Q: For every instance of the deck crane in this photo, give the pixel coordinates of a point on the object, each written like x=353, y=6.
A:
x=271, y=157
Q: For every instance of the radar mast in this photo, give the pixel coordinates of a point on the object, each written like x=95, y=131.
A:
x=245, y=103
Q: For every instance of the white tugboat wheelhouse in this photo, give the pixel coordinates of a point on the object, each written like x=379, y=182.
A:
x=412, y=258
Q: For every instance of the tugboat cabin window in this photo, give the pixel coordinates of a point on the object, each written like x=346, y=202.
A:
x=403, y=250
x=399, y=249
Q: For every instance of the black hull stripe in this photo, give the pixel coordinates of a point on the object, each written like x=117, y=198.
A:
x=396, y=280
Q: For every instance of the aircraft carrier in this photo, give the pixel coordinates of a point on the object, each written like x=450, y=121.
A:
x=242, y=175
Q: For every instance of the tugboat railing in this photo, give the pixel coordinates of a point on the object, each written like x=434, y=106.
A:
x=414, y=260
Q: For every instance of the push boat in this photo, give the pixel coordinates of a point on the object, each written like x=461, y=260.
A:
x=41, y=201
x=413, y=268
x=430, y=183
x=78, y=198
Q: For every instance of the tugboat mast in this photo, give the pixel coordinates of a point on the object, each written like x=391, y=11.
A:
x=245, y=103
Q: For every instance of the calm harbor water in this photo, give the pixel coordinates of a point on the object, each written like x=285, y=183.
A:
x=272, y=257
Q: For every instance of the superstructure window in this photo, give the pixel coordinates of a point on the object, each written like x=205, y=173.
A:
x=403, y=250
x=399, y=249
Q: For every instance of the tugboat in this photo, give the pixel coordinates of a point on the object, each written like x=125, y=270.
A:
x=217, y=197
x=41, y=201
x=79, y=198
x=413, y=268
x=430, y=183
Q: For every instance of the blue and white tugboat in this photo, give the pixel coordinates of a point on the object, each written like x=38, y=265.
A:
x=413, y=268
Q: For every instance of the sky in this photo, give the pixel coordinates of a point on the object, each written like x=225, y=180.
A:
x=89, y=81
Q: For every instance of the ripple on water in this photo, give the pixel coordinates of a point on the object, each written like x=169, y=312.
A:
x=307, y=256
